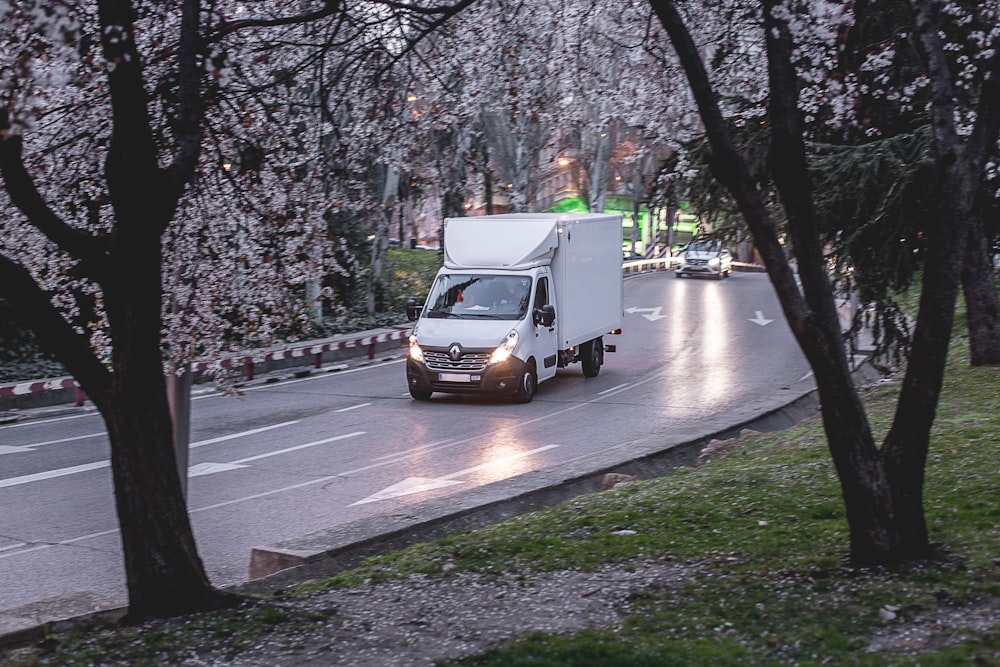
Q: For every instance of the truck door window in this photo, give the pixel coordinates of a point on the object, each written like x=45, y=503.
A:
x=542, y=293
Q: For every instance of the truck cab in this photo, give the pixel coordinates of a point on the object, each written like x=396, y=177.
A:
x=503, y=316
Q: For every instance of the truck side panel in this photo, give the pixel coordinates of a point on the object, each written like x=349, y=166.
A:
x=587, y=270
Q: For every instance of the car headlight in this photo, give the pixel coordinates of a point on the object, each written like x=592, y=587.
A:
x=504, y=349
x=415, y=352
x=714, y=262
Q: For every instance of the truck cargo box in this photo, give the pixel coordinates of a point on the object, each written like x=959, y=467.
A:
x=584, y=251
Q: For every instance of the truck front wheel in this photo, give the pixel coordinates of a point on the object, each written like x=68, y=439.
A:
x=420, y=394
x=592, y=356
x=527, y=385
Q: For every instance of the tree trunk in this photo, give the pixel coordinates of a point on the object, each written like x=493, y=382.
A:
x=811, y=313
x=598, y=190
x=981, y=306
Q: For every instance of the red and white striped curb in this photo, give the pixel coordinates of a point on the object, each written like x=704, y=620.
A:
x=247, y=362
x=37, y=385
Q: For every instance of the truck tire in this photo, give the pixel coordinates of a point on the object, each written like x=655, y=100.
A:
x=420, y=394
x=592, y=356
x=527, y=385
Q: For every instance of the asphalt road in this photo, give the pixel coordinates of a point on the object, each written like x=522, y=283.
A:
x=293, y=457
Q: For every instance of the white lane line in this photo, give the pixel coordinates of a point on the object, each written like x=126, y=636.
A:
x=51, y=420
x=62, y=440
x=50, y=474
x=608, y=391
x=61, y=543
x=97, y=465
x=297, y=447
x=223, y=438
x=413, y=450
x=310, y=378
x=353, y=407
x=13, y=546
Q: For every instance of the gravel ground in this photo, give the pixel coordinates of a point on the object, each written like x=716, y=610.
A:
x=420, y=620
x=417, y=621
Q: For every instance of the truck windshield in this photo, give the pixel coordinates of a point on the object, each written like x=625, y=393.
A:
x=479, y=296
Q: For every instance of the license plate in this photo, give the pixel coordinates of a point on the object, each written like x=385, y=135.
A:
x=457, y=377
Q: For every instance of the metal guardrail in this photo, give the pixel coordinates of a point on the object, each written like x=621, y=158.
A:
x=247, y=364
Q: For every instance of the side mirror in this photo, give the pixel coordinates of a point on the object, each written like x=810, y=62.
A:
x=544, y=316
x=413, y=309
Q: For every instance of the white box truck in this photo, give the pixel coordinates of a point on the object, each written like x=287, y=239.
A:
x=518, y=297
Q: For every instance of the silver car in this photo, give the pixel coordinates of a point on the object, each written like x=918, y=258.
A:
x=705, y=257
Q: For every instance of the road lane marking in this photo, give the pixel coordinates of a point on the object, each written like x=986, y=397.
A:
x=62, y=440
x=97, y=465
x=51, y=474
x=353, y=407
x=608, y=391
x=404, y=456
x=61, y=543
x=50, y=420
x=298, y=447
x=310, y=378
x=209, y=468
x=417, y=484
x=413, y=450
x=223, y=438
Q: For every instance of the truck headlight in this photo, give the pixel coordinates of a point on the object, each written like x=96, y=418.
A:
x=714, y=262
x=504, y=349
x=415, y=352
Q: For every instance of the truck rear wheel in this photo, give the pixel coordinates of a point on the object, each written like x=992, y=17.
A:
x=592, y=356
x=527, y=385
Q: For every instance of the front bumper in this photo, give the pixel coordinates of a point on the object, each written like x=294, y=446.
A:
x=499, y=378
x=698, y=269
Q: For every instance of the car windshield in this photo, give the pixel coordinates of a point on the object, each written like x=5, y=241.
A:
x=479, y=296
x=703, y=246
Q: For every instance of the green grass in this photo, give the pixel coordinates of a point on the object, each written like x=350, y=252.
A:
x=764, y=532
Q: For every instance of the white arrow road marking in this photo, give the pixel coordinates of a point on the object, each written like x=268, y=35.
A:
x=418, y=484
x=654, y=313
x=760, y=319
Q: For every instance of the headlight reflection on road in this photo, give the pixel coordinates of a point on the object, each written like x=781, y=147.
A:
x=715, y=364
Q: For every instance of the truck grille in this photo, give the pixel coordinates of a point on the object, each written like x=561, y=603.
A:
x=469, y=362
x=698, y=262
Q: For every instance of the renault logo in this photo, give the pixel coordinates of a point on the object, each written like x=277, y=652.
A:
x=455, y=352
